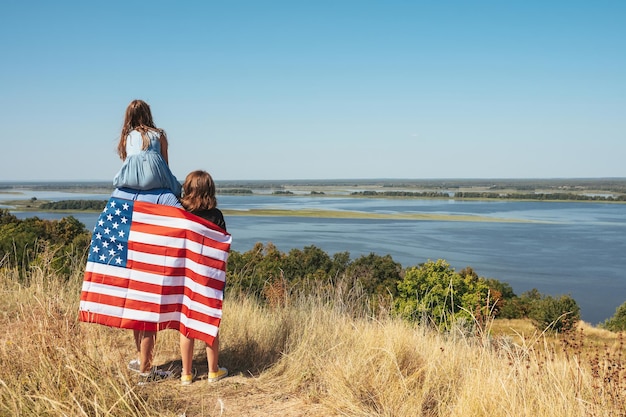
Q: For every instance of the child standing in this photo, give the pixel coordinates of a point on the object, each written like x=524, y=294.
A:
x=143, y=148
x=199, y=199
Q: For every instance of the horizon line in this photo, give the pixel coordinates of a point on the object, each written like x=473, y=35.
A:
x=373, y=179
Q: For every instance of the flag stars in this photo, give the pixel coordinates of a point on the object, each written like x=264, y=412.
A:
x=109, y=240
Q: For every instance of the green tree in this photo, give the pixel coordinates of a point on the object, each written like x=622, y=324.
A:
x=6, y=217
x=519, y=307
x=341, y=261
x=555, y=314
x=309, y=264
x=33, y=241
x=18, y=241
x=433, y=291
x=250, y=271
x=617, y=323
x=378, y=275
x=503, y=298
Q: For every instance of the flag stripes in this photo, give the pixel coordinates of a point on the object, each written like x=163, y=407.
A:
x=153, y=267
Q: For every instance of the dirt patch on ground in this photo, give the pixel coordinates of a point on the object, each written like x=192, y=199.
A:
x=239, y=396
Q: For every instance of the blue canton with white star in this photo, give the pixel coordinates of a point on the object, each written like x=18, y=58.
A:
x=109, y=242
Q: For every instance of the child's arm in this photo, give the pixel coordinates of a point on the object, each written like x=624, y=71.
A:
x=163, y=140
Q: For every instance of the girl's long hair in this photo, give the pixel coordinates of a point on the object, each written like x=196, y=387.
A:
x=138, y=117
x=198, y=191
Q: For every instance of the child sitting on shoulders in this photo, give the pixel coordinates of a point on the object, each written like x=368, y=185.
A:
x=143, y=148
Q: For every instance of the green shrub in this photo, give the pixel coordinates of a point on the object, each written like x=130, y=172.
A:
x=617, y=323
x=435, y=293
x=23, y=241
x=555, y=314
x=248, y=272
x=378, y=275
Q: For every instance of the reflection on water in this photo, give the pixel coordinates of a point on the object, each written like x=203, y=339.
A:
x=578, y=251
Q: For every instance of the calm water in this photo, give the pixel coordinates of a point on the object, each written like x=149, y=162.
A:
x=578, y=249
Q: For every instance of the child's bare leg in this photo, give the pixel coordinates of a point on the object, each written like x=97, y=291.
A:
x=212, y=354
x=186, y=353
x=144, y=341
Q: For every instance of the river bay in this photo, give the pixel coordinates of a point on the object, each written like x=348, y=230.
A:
x=575, y=248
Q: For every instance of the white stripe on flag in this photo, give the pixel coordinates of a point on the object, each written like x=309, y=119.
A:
x=172, y=262
x=129, y=294
x=126, y=313
x=139, y=276
x=202, y=308
x=172, y=242
x=180, y=223
x=198, y=325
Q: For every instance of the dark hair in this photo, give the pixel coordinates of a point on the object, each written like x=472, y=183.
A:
x=138, y=117
x=198, y=191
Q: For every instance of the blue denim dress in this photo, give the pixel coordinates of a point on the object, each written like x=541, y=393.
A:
x=156, y=196
x=145, y=169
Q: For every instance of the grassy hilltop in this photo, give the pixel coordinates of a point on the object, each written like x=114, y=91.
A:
x=329, y=351
x=326, y=354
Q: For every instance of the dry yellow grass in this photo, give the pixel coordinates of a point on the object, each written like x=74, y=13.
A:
x=309, y=356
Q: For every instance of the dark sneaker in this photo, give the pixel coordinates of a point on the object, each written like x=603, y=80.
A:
x=134, y=365
x=156, y=375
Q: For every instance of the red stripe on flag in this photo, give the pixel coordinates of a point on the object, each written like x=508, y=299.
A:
x=172, y=231
x=130, y=284
x=177, y=253
x=173, y=212
x=168, y=271
x=122, y=323
x=128, y=303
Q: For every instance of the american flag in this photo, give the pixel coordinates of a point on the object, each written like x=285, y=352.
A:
x=153, y=267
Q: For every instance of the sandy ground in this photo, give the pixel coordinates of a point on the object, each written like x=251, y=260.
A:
x=239, y=396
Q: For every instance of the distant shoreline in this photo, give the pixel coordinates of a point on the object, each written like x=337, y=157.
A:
x=325, y=214
x=591, y=190
x=36, y=206
x=595, y=185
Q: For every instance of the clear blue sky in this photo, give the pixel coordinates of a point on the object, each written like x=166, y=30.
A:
x=318, y=89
